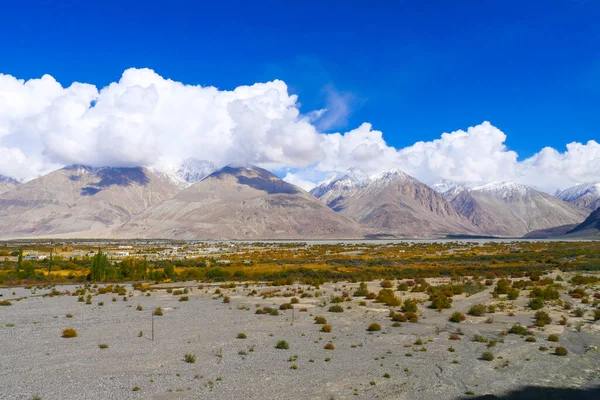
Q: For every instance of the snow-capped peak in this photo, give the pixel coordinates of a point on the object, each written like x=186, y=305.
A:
x=337, y=183
x=579, y=191
x=190, y=171
x=503, y=189
x=451, y=188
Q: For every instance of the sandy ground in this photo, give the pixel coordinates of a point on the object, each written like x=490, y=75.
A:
x=36, y=361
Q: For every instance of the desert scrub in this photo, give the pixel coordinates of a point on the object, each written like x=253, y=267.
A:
x=103, y=346
x=282, y=345
x=336, y=308
x=69, y=333
x=457, y=317
x=326, y=328
x=561, y=351
x=553, y=338
x=518, y=330
x=387, y=297
x=184, y=298
x=487, y=356
x=320, y=320
x=158, y=311
x=542, y=319
x=480, y=339
x=374, y=327
x=329, y=346
x=69, y=315
x=477, y=310
x=190, y=358
x=241, y=335
x=139, y=307
x=135, y=388
x=536, y=303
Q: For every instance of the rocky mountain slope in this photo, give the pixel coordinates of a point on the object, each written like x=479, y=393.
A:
x=80, y=201
x=7, y=183
x=586, y=195
x=589, y=228
x=240, y=203
x=398, y=204
x=340, y=186
x=513, y=210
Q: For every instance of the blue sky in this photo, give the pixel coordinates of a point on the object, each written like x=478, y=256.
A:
x=414, y=69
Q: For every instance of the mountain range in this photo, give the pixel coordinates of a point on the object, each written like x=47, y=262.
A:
x=199, y=201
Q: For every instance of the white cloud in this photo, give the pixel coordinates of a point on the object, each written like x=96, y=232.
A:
x=295, y=179
x=145, y=119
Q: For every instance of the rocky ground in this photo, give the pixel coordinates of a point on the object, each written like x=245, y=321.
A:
x=36, y=361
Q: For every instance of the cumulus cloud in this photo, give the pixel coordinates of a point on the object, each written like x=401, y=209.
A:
x=144, y=119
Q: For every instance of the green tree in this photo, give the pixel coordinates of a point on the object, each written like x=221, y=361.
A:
x=100, y=267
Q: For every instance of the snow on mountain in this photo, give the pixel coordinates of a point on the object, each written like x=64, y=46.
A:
x=513, y=210
x=190, y=171
x=449, y=189
x=193, y=170
x=503, y=189
x=340, y=185
x=586, y=195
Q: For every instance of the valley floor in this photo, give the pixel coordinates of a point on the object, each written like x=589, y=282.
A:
x=386, y=364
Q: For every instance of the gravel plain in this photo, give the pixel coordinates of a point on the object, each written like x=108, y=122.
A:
x=36, y=361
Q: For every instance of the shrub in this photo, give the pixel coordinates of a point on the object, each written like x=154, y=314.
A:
x=190, y=358
x=184, y=298
x=536, y=303
x=294, y=300
x=477, y=310
x=336, y=308
x=553, y=338
x=409, y=305
x=286, y=306
x=282, y=345
x=579, y=312
x=226, y=299
x=374, y=327
x=542, y=318
x=480, y=339
x=139, y=307
x=513, y=294
x=320, y=320
x=388, y=297
x=103, y=346
x=136, y=388
x=398, y=317
x=457, y=317
x=518, y=330
x=326, y=328
x=561, y=351
x=487, y=356
x=531, y=339
x=454, y=337
x=329, y=346
x=241, y=335
x=386, y=284
x=596, y=315
x=361, y=291
x=69, y=315
x=439, y=301
x=158, y=311
x=69, y=333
